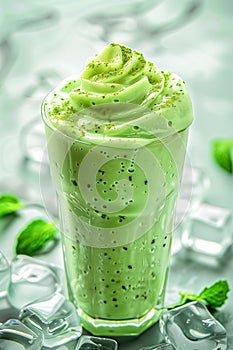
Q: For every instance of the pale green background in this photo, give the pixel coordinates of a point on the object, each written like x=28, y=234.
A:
x=43, y=36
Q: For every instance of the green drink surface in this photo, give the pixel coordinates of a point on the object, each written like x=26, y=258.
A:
x=116, y=251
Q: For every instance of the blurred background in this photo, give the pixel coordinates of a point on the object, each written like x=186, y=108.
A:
x=42, y=42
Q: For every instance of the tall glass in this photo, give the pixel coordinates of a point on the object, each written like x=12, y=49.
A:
x=116, y=196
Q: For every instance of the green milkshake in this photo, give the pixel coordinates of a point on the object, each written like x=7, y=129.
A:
x=117, y=137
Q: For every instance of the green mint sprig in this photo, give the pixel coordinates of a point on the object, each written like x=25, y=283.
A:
x=9, y=204
x=213, y=297
x=221, y=150
x=34, y=237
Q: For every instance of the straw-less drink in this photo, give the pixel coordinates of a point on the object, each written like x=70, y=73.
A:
x=116, y=138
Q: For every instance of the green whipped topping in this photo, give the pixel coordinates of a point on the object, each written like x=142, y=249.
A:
x=117, y=76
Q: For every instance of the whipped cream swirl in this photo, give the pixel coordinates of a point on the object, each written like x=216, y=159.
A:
x=118, y=76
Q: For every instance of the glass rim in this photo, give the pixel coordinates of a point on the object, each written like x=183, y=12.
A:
x=156, y=138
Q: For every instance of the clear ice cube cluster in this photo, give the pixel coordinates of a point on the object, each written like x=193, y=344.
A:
x=48, y=319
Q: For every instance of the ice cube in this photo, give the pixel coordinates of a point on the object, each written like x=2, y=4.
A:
x=192, y=327
x=4, y=275
x=193, y=188
x=31, y=279
x=163, y=346
x=86, y=342
x=208, y=234
x=14, y=335
x=55, y=316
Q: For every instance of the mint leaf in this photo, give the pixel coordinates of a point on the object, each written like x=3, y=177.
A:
x=213, y=296
x=221, y=149
x=34, y=237
x=216, y=295
x=9, y=204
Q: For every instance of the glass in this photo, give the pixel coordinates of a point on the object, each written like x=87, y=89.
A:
x=32, y=136
x=116, y=198
x=4, y=275
x=32, y=140
x=7, y=55
x=144, y=23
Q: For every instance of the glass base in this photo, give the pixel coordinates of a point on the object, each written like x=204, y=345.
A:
x=130, y=327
